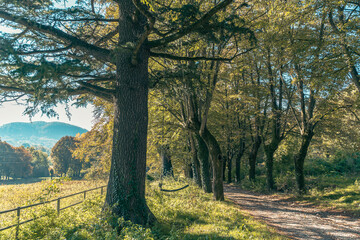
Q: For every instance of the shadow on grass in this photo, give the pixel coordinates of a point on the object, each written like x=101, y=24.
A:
x=23, y=181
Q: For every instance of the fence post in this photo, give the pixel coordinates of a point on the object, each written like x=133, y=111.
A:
x=102, y=190
x=18, y=223
x=84, y=195
x=58, y=206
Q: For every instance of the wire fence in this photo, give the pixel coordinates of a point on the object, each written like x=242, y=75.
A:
x=59, y=208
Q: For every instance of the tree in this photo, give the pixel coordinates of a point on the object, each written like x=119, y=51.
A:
x=22, y=168
x=100, y=49
x=62, y=156
x=14, y=162
x=40, y=163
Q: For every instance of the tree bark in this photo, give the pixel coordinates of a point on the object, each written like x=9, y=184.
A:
x=299, y=160
x=217, y=163
x=126, y=187
x=203, y=156
x=195, y=162
x=229, y=173
x=252, y=157
x=269, y=152
x=167, y=168
x=238, y=160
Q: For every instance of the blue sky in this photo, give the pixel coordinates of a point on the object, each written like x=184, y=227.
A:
x=82, y=117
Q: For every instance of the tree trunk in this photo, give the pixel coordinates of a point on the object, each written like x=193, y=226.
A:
x=229, y=163
x=188, y=171
x=238, y=160
x=224, y=168
x=203, y=156
x=269, y=152
x=299, y=160
x=217, y=163
x=252, y=157
x=167, y=169
x=195, y=162
x=126, y=188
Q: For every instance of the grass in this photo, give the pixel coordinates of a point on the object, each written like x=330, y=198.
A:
x=343, y=197
x=187, y=214
x=336, y=192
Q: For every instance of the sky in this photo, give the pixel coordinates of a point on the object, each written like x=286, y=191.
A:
x=12, y=112
x=81, y=117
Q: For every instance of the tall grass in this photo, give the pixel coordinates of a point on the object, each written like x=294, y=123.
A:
x=187, y=214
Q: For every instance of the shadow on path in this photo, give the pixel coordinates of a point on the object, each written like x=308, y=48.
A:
x=294, y=220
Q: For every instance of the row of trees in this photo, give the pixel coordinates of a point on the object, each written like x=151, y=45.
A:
x=223, y=80
x=19, y=162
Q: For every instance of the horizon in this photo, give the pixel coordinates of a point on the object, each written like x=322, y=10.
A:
x=80, y=117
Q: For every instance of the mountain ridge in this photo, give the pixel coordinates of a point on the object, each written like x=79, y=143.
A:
x=37, y=132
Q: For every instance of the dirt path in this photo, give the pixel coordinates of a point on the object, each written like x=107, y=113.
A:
x=295, y=220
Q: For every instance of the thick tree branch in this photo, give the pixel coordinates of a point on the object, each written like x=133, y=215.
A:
x=173, y=57
x=97, y=52
x=192, y=27
x=87, y=19
x=45, y=51
x=149, y=29
x=106, y=94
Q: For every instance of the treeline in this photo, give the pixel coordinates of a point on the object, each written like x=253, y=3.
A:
x=291, y=91
x=21, y=162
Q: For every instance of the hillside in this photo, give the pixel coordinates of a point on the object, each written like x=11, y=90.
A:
x=37, y=133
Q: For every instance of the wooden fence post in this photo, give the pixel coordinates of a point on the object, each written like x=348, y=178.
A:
x=84, y=195
x=102, y=190
x=18, y=223
x=58, y=205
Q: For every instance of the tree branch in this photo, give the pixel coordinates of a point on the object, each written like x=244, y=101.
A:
x=45, y=51
x=192, y=27
x=106, y=94
x=97, y=52
x=173, y=57
x=139, y=6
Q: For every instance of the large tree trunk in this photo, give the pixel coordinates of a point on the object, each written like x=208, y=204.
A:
x=203, y=156
x=126, y=187
x=217, y=163
x=252, y=157
x=299, y=160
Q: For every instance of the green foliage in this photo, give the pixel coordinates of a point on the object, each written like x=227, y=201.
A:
x=187, y=214
x=40, y=163
x=63, y=159
x=15, y=162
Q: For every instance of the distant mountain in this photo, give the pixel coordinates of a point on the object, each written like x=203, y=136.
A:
x=37, y=133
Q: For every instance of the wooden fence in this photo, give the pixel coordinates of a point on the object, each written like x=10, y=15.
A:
x=58, y=209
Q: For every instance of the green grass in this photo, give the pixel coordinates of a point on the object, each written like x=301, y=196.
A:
x=191, y=214
x=187, y=214
x=337, y=195
x=337, y=192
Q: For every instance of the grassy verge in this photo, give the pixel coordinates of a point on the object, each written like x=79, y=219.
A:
x=344, y=196
x=187, y=214
x=338, y=193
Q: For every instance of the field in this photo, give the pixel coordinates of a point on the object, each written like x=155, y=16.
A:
x=187, y=214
